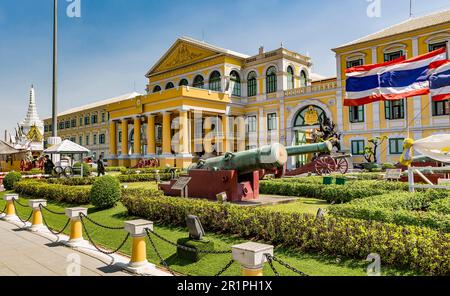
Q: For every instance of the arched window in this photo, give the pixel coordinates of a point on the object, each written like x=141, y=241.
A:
x=215, y=81
x=199, y=82
x=290, y=78
x=271, y=80
x=251, y=84
x=183, y=82
x=303, y=79
x=235, y=83
x=157, y=89
x=169, y=85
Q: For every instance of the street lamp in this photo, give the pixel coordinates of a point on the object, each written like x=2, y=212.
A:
x=54, y=139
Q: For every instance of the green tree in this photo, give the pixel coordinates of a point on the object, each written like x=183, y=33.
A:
x=370, y=151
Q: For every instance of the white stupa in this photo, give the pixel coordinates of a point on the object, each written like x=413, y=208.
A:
x=32, y=117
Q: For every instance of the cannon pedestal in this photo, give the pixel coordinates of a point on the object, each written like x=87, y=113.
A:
x=208, y=183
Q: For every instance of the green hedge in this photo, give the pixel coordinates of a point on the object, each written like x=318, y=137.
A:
x=57, y=192
x=421, y=209
x=414, y=247
x=121, y=178
x=114, y=169
x=125, y=171
x=142, y=178
x=77, y=181
x=331, y=193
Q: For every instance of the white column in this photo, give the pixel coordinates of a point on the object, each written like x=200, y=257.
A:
x=339, y=98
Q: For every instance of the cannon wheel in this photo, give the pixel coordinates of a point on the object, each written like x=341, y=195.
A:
x=68, y=172
x=59, y=171
x=325, y=165
x=342, y=165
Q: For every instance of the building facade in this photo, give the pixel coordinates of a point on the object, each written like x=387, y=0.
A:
x=205, y=100
x=86, y=125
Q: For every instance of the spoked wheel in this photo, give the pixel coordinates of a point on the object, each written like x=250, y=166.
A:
x=59, y=171
x=68, y=172
x=325, y=165
x=342, y=165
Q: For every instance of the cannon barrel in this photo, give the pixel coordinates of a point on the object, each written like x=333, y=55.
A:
x=310, y=148
x=267, y=157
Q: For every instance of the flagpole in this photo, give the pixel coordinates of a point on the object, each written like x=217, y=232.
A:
x=55, y=70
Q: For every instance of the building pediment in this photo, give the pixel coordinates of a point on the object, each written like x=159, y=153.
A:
x=182, y=53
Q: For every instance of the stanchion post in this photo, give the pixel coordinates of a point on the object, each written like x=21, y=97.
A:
x=252, y=257
x=137, y=230
x=76, y=228
x=10, y=209
x=36, y=220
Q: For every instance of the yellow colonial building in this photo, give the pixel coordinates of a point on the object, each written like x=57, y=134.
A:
x=205, y=100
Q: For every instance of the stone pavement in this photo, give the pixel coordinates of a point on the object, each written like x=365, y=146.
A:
x=23, y=253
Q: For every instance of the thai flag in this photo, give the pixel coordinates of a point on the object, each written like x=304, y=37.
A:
x=440, y=80
x=394, y=80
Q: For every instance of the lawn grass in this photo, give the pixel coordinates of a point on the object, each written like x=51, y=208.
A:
x=302, y=205
x=311, y=264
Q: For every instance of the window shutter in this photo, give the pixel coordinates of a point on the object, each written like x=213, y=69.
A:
x=351, y=114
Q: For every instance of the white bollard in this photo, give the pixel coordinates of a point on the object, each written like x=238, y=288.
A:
x=76, y=228
x=10, y=209
x=252, y=257
x=138, y=263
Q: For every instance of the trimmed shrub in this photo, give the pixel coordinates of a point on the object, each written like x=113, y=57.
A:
x=164, y=170
x=441, y=206
x=401, y=208
x=86, y=169
x=32, y=172
x=57, y=192
x=72, y=181
x=331, y=193
x=105, y=192
x=11, y=179
x=414, y=247
x=114, y=169
x=143, y=178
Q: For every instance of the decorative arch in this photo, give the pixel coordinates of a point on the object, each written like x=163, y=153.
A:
x=215, y=81
x=303, y=78
x=271, y=80
x=235, y=80
x=309, y=116
x=170, y=85
x=156, y=89
x=290, y=77
x=199, y=82
x=252, y=84
x=183, y=82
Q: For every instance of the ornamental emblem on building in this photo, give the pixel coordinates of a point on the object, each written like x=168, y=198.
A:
x=311, y=116
x=182, y=55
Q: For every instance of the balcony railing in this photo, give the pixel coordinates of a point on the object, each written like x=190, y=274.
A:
x=311, y=89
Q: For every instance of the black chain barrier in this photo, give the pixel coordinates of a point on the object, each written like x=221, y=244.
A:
x=187, y=248
x=4, y=210
x=92, y=242
x=100, y=225
x=54, y=232
x=270, y=261
x=271, y=258
x=225, y=268
x=51, y=211
x=17, y=212
x=157, y=252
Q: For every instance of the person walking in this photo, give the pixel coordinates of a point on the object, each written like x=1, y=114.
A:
x=100, y=166
x=48, y=166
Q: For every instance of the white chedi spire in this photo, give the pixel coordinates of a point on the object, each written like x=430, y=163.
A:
x=32, y=117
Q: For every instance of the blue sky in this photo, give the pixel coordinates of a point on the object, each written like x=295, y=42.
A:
x=109, y=49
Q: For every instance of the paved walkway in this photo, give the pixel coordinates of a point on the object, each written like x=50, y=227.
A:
x=23, y=253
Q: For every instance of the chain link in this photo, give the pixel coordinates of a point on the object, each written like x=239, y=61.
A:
x=188, y=248
x=270, y=261
x=225, y=268
x=95, y=246
x=17, y=213
x=4, y=210
x=157, y=253
x=291, y=268
x=100, y=225
x=51, y=211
